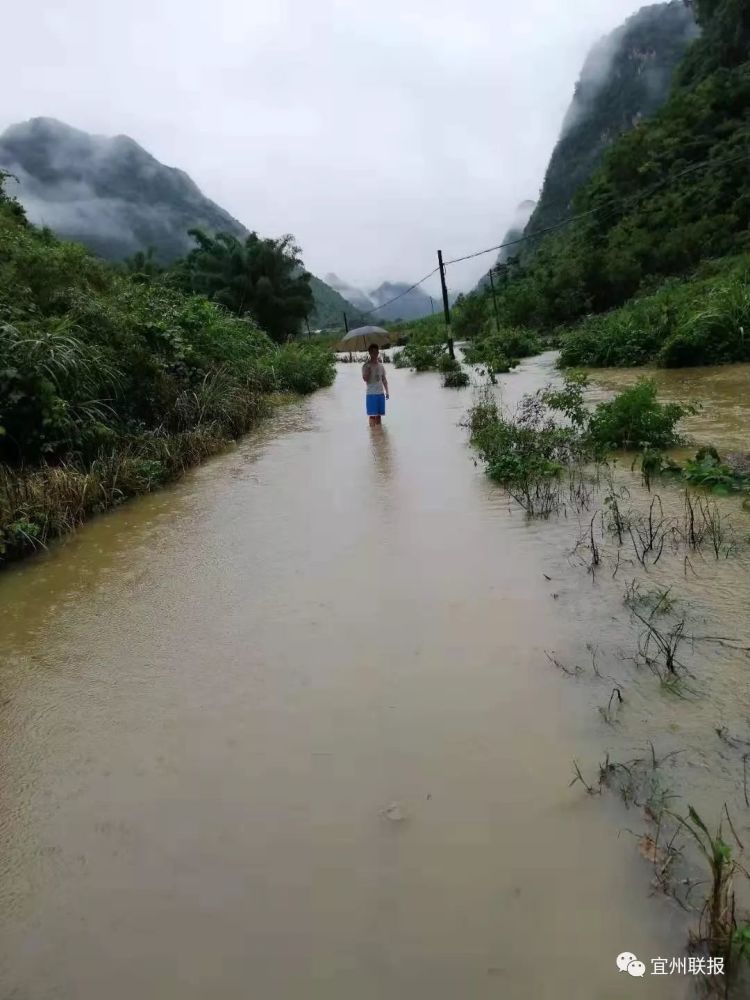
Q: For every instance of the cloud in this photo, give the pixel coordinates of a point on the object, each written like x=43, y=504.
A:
x=374, y=132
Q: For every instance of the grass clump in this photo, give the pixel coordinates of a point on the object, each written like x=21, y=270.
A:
x=500, y=350
x=636, y=419
x=455, y=379
x=701, y=321
x=528, y=450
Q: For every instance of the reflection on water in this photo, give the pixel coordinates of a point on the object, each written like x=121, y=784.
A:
x=199, y=749
x=382, y=452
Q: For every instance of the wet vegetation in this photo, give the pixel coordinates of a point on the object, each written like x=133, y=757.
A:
x=701, y=321
x=557, y=456
x=114, y=382
x=654, y=265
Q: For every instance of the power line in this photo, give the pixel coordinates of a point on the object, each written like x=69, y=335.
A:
x=401, y=294
x=623, y=203
x=576, y=218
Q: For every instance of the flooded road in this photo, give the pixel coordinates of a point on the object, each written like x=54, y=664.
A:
x=287, y=730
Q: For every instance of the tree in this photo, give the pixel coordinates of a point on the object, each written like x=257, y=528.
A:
x=262, y=277
x=143, y=267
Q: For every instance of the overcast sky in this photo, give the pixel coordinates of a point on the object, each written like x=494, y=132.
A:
x=374, y=130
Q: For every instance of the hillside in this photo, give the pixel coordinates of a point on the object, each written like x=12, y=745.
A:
x=114, y=197
x=412, y=305
x=513, y=233
x=330, y=307
x=671, y=200
x=626, y=78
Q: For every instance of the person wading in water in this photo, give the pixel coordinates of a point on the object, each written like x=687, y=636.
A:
x=373, y=374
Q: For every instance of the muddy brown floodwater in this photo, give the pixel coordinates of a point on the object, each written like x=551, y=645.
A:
x=287, y=730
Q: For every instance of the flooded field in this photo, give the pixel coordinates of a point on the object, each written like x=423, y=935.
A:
x=288, y=728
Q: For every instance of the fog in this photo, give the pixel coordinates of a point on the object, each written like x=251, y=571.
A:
x=376, y=133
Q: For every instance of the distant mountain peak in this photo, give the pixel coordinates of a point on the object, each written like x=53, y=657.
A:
x=112, y=195
x=625, y=78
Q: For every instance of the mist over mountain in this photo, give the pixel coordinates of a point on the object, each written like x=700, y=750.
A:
x=625, y=79
x=512, y=235
x=108, y=193
x=356, y=296
x=116, y=198
x=412, y=303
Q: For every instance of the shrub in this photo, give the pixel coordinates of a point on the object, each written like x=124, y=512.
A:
x=704, y=320
x=527, y=452
x=421, y=357
x=499, y=350
x=707, y=470
x=302, y=369
x=635, y=419
x=111, y=384
x=455, y=379
x=447, y=364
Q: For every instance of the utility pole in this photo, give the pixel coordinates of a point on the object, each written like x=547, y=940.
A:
x=346, y=324
x=494, y=300
x=432, y=306
x=446, y=306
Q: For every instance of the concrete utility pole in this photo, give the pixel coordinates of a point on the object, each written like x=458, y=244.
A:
x=494, y=300
x=446, y=306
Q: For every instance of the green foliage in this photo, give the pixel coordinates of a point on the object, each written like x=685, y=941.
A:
x=447, y=364
x=641, y=57
x=260, y=277
x=635, y=419
x=302, y=369
x=455, y=379
x=469, y=316
x=498, y=350
x=143, y=266
x=670, y=194
x=705, y=320
x=527, y=451
x=427, y=330
x=707, y=470
x=111, y=384
x=426, y=345
x=553, y=429
x=422, y=357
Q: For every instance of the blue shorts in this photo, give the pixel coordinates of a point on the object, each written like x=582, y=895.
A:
x=375, y=403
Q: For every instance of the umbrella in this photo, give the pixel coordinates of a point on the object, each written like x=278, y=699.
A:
x=361, y=338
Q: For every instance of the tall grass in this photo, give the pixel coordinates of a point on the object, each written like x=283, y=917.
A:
x=110, y=385
x=702, y=321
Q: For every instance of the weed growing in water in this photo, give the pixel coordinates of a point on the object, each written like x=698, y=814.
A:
x=457, y=379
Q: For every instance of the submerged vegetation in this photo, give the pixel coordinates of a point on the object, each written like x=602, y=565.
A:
x=112, y=383
x=553, y=431
x=552, y=455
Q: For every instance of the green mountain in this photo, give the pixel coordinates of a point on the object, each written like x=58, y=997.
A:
x=664, y=222
x=411, y=303
x=626, y=78
x=114, y=197
x=330, y=307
